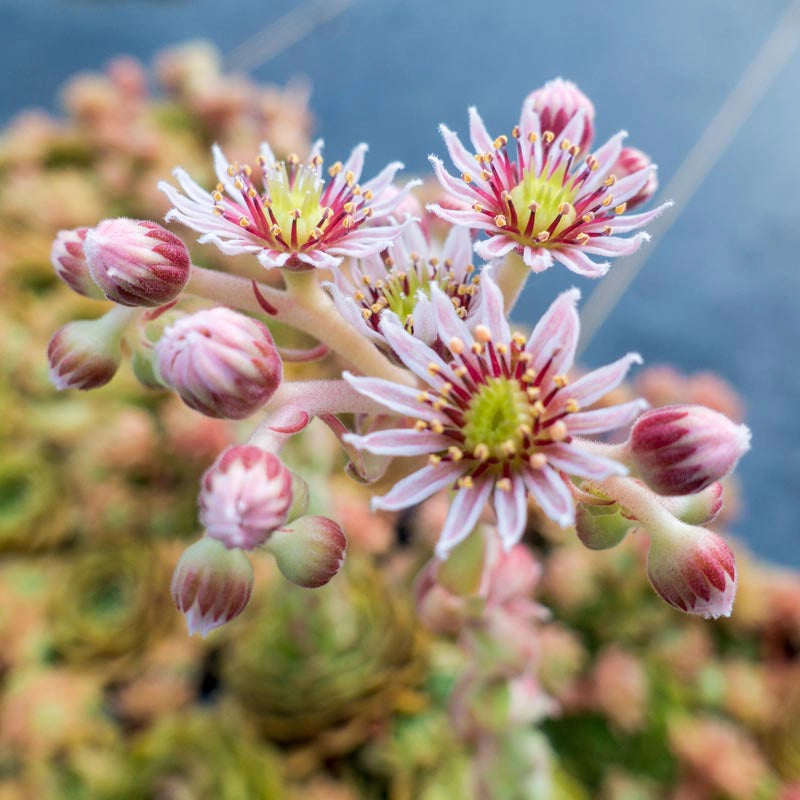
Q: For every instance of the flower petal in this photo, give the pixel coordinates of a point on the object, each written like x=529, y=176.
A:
x=575, y=260
x=602, y=420
x=463, y=515
x=497, y=246
x=571, y=459
x=594, y=385
x=551, y=494
x=556, y=334
x=418, y=486
x=400, y=442
x=511, y=508
x=401, y=399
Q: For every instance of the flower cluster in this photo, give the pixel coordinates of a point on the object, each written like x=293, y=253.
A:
x=414, y=356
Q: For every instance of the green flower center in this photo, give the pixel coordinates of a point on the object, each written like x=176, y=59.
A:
x=401, y=290
x=296, y=200
x=552, y=198
x=497, y=417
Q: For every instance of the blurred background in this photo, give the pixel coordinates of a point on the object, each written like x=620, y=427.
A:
x=347, y=693
x=718, y=293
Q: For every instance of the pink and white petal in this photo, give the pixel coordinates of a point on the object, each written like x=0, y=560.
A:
x=449, y=325
x=315, y=153
x=229, y=245
x=495, y=247
x=478, y=134
x=602, y=420
x=459, y=155
x=556, y=334
x=511, y=508
x=400, y=399
x=319, y=259
x=190, y=187
x=355, y=163
x=400, y=442
x=606, y=157
x=628, y=187
x=456, y=188
x=537, y=258
x=491, y=311
x=273, y=258
x=596, y=384
x=551, y=494
x=468, y=219
x=576, y=260
x=418, y=486
x=530, y=127
x=386, y=201
x=425, y=327
x=457, y=251
x=616, y=245
x=265, y=151
x=571, y=459
x=221, y=165
x=415, y=354
x=630, y=222
x=463, y=515
x=351, y=311
x=572, y=132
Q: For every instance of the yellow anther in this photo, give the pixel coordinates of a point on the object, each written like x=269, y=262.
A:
x=607, y=230
x=276, y=231
x=292, y=159
x=483, y=334
x=565, y=208
x=486, y=175
x=335, y=169
x=588, y=216
x=524, y=429
x=218, y=211
x=477, y=348
x=459, y=372
x=421, y=425
x=548, y=136
x=376, y=308
x=502, y=349
x=434, y=368
x=366, y=280
x=477, y=207
x=251, y=192
x=447, y=387
x=525, y=357
x=316, y=160
x=610, y=180
x=439, y=404
x=348, y=222
x=455, y=453
x=529, y=376
x=368, y=194
x=607, y=201
x=537, y=460
x=481, y=452
x=538, y=408
x=295, y=213
x=366, y=313
x=500, y=221
x=456, y=346
x=543, y=236
x=560, y=381
x=238, y=184
x=244, y=222
x=348, y=207
x=357, y=189
x=509, y=448
x=500, y=142
x=533, y=393
x=466, y=177
x=620, y=209
x=465, y=482
x=532, y=137
x=582, y=238
x=504, y=484
x=437, y=427
x=572, y=406
x=231, y=170
x=574, y=150
x=515, y=132
x=518, y=339
x=592, y=163
x=558, y=430
x=433, y=459
x=349, y=177
x=247, y=169
x=217, y=195
x=316, y=233
x=565, y=144
x=423, y=397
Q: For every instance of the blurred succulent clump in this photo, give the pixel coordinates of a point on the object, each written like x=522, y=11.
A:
x=344, y=692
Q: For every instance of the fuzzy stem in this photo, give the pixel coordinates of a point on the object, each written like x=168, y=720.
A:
x=304, y=306
x=296, y=403
x=640, y=502
x=114, y=322
x=510, y=276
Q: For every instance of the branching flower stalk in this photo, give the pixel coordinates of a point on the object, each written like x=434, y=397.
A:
x=418, y=364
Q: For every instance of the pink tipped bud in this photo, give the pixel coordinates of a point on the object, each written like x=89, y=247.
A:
x=211, y=585
x=601, y=527
x=556, y=103
x=301, y=497
x=221, y=363
x=84, y=354
x=693, y=570
x=136, y=262
x=684, y=449
x=696, y=509
x=310, y=551
x=246, y=494
x=69, y=262
x=630, y=161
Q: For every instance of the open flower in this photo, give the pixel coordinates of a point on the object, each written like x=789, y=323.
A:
x=295, y=219
x=397, y=279
x=499, y=418
x=536, y=198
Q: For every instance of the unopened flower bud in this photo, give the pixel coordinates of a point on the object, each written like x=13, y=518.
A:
x=300, y=498
x=69, y=262
x=683, y=449
x=136, y=262
x=633, y=160
x=310, y=551
x=221, y=363
x=211, y=585
x=85, y=354
x=556, y=103
x=693, y=570
x=601, y=527
x=245, y=496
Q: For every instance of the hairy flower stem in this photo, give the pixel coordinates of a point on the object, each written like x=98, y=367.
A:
x=304, y=306
x=639, y=501
x=296, y=403
x=116, y=320
x=510, y=276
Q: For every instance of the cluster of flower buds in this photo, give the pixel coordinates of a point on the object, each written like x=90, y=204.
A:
x=429, y=364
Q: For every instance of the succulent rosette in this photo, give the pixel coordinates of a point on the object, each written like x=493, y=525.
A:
x=295, y=219
x=537, y=195
x=399, y=279
x=499, y=418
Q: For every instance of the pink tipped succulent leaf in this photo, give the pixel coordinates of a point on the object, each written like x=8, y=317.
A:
x=556, y=103
x=222, y=363
x=498, y=417
x=534, y=195
x=693, y=569
x=681, y=450
x=246, y=495
x=136, y=262
x=294, y=218
x=84, y=354
x=69, y=262
x=211, y=585
x=309, y=551
x=399, y=280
